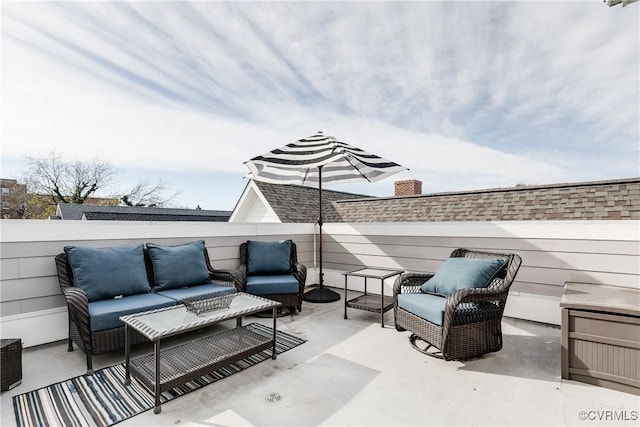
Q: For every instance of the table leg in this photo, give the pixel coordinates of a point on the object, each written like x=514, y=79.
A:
x=382, y=303
x=127, y=355
x=345, y=296
x=275, y=318
x=156, y=351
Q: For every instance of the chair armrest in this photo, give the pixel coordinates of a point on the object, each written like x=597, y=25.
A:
x=221, y=275
x=78, y=307
x=239, y=277
x=300, y=272
x=475, y=295
x=409, y=283
x=466, y=306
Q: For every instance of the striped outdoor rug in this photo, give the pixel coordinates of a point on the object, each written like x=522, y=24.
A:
x=101, y=399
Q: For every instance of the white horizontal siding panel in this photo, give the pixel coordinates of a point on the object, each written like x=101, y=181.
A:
x=495, y=244
x=37, y=267
x=66, y=231
x=539, y=308
x=590, y=230
x=9, y=269
x=536, y=289
x=38, y=327
x=32, y=287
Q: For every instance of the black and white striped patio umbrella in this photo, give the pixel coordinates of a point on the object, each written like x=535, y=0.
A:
x=318, y=160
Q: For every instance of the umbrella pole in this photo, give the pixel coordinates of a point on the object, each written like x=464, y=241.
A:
x=321, y=294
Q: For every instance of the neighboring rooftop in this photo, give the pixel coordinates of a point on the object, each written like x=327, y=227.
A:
x=299, y=203
x=69, y=211
x=598, y=200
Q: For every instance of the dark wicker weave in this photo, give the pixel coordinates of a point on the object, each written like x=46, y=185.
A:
x=78, y=307
x=472, y=318
x=193, y=359
x=10, y=363
x=293, y=300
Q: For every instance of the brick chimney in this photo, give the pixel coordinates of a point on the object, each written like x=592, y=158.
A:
x=409, y=187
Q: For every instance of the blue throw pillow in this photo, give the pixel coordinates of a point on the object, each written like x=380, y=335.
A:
x=269, y=257
x=178, y=266
x=104, y=273
x=463, y=273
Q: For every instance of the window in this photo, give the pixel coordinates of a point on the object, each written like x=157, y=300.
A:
x=5, y=191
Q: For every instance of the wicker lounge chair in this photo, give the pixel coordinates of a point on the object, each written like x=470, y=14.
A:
x=298, y=272
x=468, y=323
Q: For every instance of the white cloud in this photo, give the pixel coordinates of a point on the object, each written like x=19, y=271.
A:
x=466, y=94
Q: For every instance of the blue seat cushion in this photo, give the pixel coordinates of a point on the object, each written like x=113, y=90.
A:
x=104, y=314
x=268, y=257
x=463, y=273
x=103, y=273
x=428, y=306
x=272, y=285
x=178, y=266
x=200, y=291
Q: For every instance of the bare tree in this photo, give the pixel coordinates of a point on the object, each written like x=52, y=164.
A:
x=67, y=182
x=145, y=194
x=62, y=181
x=14, y=198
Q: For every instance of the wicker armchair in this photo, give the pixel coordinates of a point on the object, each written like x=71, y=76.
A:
x=80, y=333
x=471, y=322
x=299, y=271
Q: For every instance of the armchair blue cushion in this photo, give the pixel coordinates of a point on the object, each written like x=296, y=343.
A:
x=272, y=284
x=104, y=273
x=463, y=273
x=428, y=306
x=267, y=258
x=178, y=266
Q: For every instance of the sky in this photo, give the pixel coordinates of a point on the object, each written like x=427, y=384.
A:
x=468, y=95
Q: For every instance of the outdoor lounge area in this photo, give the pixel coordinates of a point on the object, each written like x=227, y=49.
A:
x=347, y=371
x=352, y=372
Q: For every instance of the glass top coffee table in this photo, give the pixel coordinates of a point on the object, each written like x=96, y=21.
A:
x=167, y=368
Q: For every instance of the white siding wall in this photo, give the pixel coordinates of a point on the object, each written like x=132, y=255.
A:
x=607, y=252
x=553, y=252
x=31, y=304
x=252, y=207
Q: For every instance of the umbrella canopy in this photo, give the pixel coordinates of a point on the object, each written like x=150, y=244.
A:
x=299, y=162
x=318, y=160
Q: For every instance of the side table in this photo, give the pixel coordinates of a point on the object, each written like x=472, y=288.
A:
x=370, y=302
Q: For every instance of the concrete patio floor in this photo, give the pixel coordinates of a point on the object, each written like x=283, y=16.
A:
x=355, y=373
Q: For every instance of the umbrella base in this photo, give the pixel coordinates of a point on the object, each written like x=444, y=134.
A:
x=321, y=296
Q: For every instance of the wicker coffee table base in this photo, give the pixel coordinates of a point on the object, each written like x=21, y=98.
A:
x=189, y=361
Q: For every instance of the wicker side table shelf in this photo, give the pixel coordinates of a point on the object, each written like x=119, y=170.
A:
x=10, y=363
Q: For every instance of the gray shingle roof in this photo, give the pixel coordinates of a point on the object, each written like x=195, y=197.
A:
x=298, y=203
x=69, y=211
x=599, y=200
x=596, y=200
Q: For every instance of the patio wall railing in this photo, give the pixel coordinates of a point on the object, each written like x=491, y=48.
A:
x=32, y=308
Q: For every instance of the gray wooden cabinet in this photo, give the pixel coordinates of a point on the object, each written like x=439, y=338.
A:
x=601, y=335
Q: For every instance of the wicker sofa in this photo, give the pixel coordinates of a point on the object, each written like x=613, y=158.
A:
x=102, y=284
x=460, y=319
